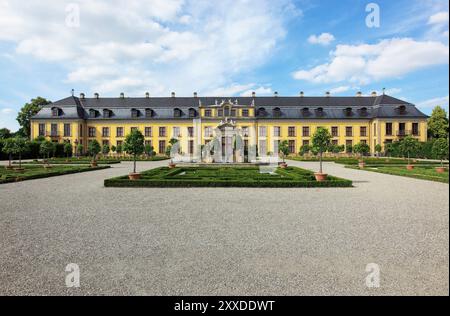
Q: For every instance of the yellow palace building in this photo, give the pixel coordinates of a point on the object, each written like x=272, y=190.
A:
x=263, y=121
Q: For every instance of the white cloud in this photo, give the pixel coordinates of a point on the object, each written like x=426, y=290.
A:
x=322, y=39
x=439, y=18
x=7, y=111
x=340, y=89
x=431, y=103
x=365, y=63
x=260, y=91
x=159, y=45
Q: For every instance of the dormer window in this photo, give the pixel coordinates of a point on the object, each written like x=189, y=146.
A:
x=92, y=113
x=177, y=112
x=402, y=109
x=134, y=113
x=107, y=113
x=363, y=111
x=319, y=112
x=277, y=112
x=149, y=113
x=56, y=111
x=348, y=111
x=261, y=112
x=192, y=112
x=305, y=111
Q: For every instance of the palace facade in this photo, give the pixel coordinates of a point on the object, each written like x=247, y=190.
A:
x=263, y=121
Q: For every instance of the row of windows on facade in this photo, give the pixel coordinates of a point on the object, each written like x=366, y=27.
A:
x=208, y=131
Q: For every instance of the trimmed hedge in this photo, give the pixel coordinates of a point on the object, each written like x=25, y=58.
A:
x=422, y=172
x=226, y=177
x=8, y=178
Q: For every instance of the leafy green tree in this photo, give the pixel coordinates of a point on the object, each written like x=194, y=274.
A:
x=349, y=149
x=408, y=147
x=438, y=123
x=440, y=150
x=27, y=112
x=134, y=145
x=113, y=148
x=304, y=149
x=80, y=149
x=106, y=149
x=68, y=149
x=20, y=146
x=8, y=148
x=362, y=149
x=148, y=150
x=283, y=149
x=320, y=141
x=5, y=133
x=119, y=150
x=46, y=148
x=378, y=149
x=94, y=149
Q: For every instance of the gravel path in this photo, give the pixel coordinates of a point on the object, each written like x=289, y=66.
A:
x=227, y=241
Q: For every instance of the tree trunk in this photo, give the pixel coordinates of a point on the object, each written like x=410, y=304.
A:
x=10, y=160
x=20, y=160
x=320, y=158
x=134, y=164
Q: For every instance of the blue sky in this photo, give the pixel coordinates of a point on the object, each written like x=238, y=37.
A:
x=226, y=47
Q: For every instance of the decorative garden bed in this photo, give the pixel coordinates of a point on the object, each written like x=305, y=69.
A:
x=419, y=172
x=37, y=171
x=226, y=177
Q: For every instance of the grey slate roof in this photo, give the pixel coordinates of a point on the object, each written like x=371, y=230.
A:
x=382, y=106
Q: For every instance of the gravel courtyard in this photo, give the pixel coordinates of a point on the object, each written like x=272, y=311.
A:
x=224, y=241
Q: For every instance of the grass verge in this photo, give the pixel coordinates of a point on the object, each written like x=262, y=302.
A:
x=419, y=172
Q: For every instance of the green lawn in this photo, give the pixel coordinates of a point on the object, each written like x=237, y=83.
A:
x=226, y=177
x=38, y=171
x=367, y=160
x=419, y=172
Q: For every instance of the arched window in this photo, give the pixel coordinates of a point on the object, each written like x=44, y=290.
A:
x=363, y=111
x=319, y=112
x=107, y=113
x=56, y=111
x=305, y=111
x=348, y=111
x=92, y=113
x=134, y=113
x=177, y=112
x=149, y=113
x=261, y=112
x=276, y=112
x=401, y=109
x=192, y=112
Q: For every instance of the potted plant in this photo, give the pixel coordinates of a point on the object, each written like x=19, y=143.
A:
x=45, y=149
x=20, y=146
x=378, y=149
x=320, y=141
x=409, y=146
x=440, y=151
x=148, y=149
x=134, y=145
x=8, y=148
x=304, y=150
x=283, y=148
x=119, y=150
x=105, y=150
x=362, y=149
x=68, y=150
x=93, y=150
x=80, y=150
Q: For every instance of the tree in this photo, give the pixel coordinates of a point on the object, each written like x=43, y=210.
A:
x=321, y=140
x=304, y=149
x=27, y=112
x=80, y=149
x=46, y=148
x=113, y=148
x=409, y=146
x=440, y=150
x=362, y=149
x=119, y=150
x=148, y=150
x=8, y=148
x=378, y=149
x=5, y=133
x=283, y=148
x=105, y=149
x=20, y=146
x=438, y=123
x=349, y=148
x=94, y=149
x=134, y=145
x=68, y=149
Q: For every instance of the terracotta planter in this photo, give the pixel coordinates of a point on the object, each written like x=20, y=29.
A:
x=172, y=165
x=320, y=177
x=283, y=165
x=410, y=167
x=134, y=176
x=9, y=167
x=48, y=167
x=94, y=164
x=361, y=165
x=440, y=169
x=19, y=169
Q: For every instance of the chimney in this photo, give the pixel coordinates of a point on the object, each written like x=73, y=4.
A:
x=173, y=94
x=374, y=93
x=147, y=95
x=253, y=94
x=327, y=94
x=384, y=91
x=195, y=94
x=82, y=96
x=96, y=95
x=122, y=95
x=359, y=94
x=302, y=94
x=275, y=94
